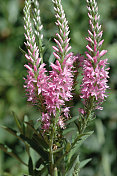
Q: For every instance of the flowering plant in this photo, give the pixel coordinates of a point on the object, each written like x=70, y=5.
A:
x=51, y=91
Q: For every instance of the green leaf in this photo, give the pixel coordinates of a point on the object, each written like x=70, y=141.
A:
x=68, y=130
x=68, y=146
x=30, y=166
x=35, y=144
x=73, y=164
x=74, y=146
x=9, y=151
x=58, y=150
x=39, y=162
x=13, y=132
x=17, y=122
x=78, y=142
x=81, y=138
x=23, y=52
x=40, y=138
x=71, y=120
x=83, y=163
x=28, y=130
x=42, y=172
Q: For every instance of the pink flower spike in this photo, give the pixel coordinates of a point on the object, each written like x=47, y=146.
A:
x=103, y=52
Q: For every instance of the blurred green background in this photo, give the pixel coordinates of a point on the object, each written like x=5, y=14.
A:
x=101, y=146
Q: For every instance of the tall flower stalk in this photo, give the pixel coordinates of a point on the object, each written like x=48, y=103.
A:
x=55, y=89
x=36, y=72
x=95, y=73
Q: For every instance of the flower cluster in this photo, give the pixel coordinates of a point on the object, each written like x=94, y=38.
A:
x=50, y=91
x=58, y=90
x=54, y=89
x=36, y=72
x=95, y=73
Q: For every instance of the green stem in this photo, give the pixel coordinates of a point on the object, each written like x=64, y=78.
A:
x=53, y=169
x=77, y=138
x=51, y=154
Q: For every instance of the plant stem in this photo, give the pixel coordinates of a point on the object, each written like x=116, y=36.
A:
x=53, y=169
x=51, y=154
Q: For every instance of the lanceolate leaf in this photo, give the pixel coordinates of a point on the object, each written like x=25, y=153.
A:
x=77, y=143
x=35, y=144
x=81, y=138
x=17, y=122
x=83, y=163
x=37, y=135
x=71, y=166
x=71, y=120
x=39, y=162
x=75, y=146
x=69, y=130
x=23, y=52
x=9, y=151
x=13, y=132
x=30, y=166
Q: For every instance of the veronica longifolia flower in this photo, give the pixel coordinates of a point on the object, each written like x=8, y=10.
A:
x=95, y=73
x=55, y=89
x=36, y=78
x=60, y=81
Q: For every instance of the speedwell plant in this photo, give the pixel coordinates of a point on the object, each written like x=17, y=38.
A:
x=50, y=91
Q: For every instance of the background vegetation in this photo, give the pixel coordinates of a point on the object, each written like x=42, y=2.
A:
x=101, y=146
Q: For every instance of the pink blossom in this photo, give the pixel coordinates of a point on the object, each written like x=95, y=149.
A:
x=81, y=110
x=45, y=121
x=61, y=123
x=95, y=73
x=59, y=87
